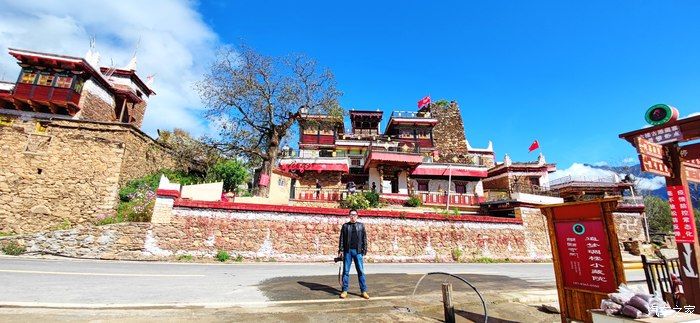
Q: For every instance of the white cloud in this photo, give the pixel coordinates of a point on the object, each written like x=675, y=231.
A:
x=176, y=45
x=630, y=160
x=651, y=183
x=600, y=163
x=583, y=172
x=693, y=114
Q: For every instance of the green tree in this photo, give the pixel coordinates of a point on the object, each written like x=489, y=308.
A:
x=231, y=172
x=658, y=214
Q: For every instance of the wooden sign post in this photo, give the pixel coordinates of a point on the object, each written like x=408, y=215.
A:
x=660, y=154
x=586, y=255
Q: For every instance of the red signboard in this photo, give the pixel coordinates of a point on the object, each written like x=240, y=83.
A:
x=654, y=165
x=691, y=153
x=646, y=147
x=681, y=214
x=584, y=255
x=692, y=174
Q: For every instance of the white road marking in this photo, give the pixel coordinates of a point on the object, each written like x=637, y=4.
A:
x=90, y=274
x=185, y=305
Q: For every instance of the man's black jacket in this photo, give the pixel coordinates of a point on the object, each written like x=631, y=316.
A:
x=346, y=231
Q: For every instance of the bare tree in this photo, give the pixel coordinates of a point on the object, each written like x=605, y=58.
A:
x=256, y=99
x=190, y=153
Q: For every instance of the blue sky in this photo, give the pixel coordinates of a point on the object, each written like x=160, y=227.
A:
x=573, y=76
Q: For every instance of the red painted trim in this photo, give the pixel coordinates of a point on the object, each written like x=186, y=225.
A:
x=319, y=167
x=443, y=171
x=168, y=193
x=340, y=212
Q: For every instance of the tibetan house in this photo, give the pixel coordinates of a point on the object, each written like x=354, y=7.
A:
x=407, y=158
x=75, y=87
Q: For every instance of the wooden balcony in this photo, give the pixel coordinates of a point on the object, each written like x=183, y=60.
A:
x=46, y=94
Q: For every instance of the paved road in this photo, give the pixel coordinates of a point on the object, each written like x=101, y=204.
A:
x=64, y=282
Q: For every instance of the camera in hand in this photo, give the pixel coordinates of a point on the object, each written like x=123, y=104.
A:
x=336, y=259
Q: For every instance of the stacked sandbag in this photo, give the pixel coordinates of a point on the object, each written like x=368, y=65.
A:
x=633, y=304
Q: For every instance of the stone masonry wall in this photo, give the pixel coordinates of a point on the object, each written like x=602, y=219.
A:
x=629, y=226
x=94, y=108
x=143, y=156
x=291, y=237
x=448, y=133
x=59, y=173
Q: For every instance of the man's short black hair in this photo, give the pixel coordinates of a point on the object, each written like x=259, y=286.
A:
x=352, y=210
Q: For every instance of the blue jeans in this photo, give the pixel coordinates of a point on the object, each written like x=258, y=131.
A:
x=348, y=258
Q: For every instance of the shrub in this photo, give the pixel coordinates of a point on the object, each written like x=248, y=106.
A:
x=13, y=249
x=222, y=255
x=355, y=201
x=151, y=181
x=4, y=234
x=238, y=258
x=65, y=225
x=372, y=198
x=457, y=254
x=184, y=257
x=231, y=172
x=414, y=201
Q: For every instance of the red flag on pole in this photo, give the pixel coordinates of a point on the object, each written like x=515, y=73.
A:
x=424, y=101
x=535, y=145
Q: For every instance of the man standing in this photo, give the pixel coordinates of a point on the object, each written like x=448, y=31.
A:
x=352, y=247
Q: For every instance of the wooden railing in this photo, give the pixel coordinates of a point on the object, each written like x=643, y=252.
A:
x=457, y=199
x=324, y=194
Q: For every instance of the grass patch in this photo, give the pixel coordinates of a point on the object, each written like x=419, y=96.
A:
x=184, y=257
x=222, y=256
x=6, y=234
x=13, y=249
x=484, y=260
x=65, y=225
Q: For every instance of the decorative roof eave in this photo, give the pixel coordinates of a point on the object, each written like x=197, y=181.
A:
x=131, y=95
x=447, y=169
x=377, y=157
x=409, y=121
x=22, y=55
x=134, y=78
x=364, y=113
x=528, y=167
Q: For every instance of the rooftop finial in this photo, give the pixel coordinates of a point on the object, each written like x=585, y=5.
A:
x=131, y=66
x=507, y=161
x=93, y=56
x=541, y=160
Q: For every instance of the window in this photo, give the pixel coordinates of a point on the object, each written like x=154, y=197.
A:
x=325, y=153
x=405, y=133
x=422, y=186
x=78, y=87
x=460, y=188
x=45, y=79
x=28, y=77
x=326, y=131
x=64, y=81
x=282, y=182
x=310, y=130
x=424, y=133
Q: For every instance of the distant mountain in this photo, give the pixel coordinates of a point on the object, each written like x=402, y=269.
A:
x=648, y=180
